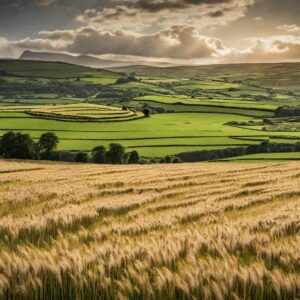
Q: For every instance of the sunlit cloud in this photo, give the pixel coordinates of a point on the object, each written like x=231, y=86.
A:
x=294, y=29
x=136, y=15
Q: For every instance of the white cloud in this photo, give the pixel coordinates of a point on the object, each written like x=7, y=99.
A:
x=7, y=49
x=271, y=49
x=178, y=44
x=294, y=29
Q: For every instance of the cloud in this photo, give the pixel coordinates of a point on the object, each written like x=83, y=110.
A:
x=137, y=15
x=271, y=49
x=44, y=2
x=294, y=29
x=7, y=49
x=177, y=42
x=159, y=5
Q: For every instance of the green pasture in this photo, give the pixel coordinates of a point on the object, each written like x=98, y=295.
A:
x=156, y=136
x=206, y=85
x=241, y=105
x=100, y=80
x=265, y=157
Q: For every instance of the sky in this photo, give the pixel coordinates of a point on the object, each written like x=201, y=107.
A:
x=176, y=31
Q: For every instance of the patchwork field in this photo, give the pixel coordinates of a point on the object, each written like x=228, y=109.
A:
x=160, y=135
x=71, y=112
x=192, y=108
x=198, y=231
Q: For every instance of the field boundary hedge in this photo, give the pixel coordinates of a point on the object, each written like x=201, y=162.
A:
x=56, y=117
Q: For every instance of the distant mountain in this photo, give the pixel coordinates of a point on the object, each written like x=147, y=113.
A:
x=80, y=60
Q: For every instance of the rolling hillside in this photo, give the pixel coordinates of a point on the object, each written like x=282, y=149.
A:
x=192, y=108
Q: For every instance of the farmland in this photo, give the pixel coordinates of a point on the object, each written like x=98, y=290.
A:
x=192, y=108
x=187, y=231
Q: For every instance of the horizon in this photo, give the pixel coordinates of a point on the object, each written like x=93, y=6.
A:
x=179, y=32
x=164, y=65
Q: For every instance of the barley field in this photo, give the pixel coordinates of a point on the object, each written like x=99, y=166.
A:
x=180, y=231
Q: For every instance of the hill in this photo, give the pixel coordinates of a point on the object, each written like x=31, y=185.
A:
x=81, y=60
x=204, y=112
x=52, y=70
x=198, y=231
x=276, y=75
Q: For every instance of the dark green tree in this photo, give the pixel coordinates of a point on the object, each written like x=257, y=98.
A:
x=99, y=155
x=116, y=154
x=134, y=157
x=168, y=159
x=147, y=112
x=17, y=145
x=7, y=144
x=81, y=157
x=48, y=142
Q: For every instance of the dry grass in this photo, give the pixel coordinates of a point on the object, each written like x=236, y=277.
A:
x=198, y=231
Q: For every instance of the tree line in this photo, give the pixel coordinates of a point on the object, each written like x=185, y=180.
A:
x=287, y=111
x=15, y=145
x=22, y=146
x=264, y=147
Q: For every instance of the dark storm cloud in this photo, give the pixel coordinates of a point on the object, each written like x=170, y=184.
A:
x=158, y=5
x=21, y=18
x=144, y=13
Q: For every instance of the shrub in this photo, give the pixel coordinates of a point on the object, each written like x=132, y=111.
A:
x=168, y=159
x=116, y=154
x=99, y=155
x=134, y=157
x=81, y=157
x=147, y=112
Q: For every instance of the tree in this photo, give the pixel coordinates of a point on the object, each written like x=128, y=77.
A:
x=17, y=145
x=81, y=157
x=116, y=153
x=176, y=160
x=168, y=159
x=147, y=112
x=48, y=142
x=134, y=157
x=7, y=144
x=99, y=155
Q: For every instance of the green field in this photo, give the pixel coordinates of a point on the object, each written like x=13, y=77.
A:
x=73, y=112
x=266, y=157
x=192, y=108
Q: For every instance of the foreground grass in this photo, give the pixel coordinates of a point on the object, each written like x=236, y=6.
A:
x=198, y=231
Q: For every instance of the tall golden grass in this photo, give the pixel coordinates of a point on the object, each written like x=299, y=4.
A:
x=198, y=231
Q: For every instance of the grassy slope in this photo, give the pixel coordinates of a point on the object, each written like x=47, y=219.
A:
x=28, y=69
x=197, y=123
